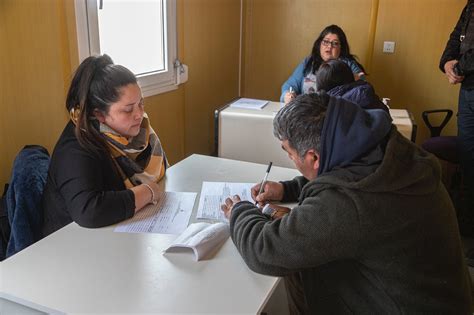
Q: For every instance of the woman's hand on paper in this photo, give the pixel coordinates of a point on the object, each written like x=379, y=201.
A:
x=145, y=194
x=272, y=191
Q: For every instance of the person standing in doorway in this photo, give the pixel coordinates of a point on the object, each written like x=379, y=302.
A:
x=457, y=62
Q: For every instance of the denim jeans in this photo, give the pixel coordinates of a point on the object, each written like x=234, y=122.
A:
x=466, y=146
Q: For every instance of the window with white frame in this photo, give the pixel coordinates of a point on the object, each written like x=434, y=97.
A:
x=138, y=34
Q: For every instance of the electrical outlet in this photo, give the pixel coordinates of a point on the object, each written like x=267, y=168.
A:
x=389, y=47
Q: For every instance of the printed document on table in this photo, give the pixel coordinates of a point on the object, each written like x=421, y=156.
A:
x=213, y=195
x=249, y=103
x=169, y=216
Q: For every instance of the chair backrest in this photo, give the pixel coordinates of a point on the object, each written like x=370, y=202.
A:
x=444, y=147
x=24, y=194
x=436, y=130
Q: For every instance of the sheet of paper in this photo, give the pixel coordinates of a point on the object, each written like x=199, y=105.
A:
x=213, y=195
x=169, y=216
x=402, y=121
x=249, y=103
x=399, y=113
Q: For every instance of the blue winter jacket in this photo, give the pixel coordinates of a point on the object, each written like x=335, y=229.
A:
x=359, y=92
x=23, y=200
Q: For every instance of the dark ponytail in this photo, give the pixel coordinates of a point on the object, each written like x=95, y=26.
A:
x=95, y=86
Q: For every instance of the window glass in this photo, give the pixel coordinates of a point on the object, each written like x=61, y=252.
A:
x=139, y=34
x=132, y=32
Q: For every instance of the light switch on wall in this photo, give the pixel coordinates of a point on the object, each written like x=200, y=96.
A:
x=389, y=47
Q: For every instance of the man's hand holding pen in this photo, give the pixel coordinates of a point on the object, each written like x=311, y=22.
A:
x=262, y=193
x=271, y=191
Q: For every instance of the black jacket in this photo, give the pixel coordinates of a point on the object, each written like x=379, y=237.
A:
x=383, y=243
x=453, y=49
x=83, y=187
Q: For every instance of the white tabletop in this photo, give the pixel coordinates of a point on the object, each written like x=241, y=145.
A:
x=77, y=270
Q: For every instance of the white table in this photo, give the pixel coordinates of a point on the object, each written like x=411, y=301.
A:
x=247, y=135
x=78, y=270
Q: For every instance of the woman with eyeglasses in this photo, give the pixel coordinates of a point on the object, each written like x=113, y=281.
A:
x=330, y=44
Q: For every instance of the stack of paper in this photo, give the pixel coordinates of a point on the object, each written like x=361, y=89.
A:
x=249, y=103
x=203, y=238
x=399, y=113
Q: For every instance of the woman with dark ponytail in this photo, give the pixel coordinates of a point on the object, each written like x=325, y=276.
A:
x=108, y=160
x=331, y=44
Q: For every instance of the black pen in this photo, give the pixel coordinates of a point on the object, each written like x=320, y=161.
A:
x=264, y=181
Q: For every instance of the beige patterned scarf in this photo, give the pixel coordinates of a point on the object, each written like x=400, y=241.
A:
x=140, y=159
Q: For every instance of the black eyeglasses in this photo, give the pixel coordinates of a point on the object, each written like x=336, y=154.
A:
x=333, y=44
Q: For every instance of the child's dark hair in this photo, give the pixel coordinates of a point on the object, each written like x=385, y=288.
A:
x=333, y=73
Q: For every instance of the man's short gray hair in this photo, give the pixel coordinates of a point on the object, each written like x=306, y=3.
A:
x=301, y=122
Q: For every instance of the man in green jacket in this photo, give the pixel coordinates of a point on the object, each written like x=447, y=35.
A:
x=374, y=231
